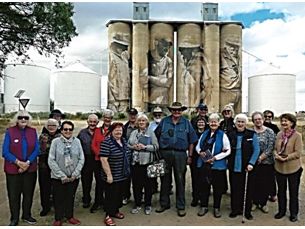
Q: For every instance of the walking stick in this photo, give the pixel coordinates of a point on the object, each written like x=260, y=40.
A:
x=245, y=197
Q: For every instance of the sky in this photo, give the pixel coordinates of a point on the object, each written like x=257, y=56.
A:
x=273, y=35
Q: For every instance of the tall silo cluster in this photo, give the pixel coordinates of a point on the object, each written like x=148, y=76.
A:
x=34, y=80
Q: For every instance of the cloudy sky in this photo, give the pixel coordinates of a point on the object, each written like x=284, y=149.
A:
x=273, y=34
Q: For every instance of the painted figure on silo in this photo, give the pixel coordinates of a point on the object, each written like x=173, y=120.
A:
x=230, y=74
x=160, y=73
x=119, y=82
x=191, y=69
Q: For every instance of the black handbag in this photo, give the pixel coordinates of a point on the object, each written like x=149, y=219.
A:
x=156, y=168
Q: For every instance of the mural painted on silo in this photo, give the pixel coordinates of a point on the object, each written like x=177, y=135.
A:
x=230, y=69
x=160, y=66
x=119, y=79
x=208, y=65
x=190, y=65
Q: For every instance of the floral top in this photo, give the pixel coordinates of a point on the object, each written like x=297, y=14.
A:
x=266, y=145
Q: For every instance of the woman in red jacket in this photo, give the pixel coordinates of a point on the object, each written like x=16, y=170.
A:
x=98, y=137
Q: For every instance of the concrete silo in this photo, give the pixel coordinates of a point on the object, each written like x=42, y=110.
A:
x=272, y=91
x=34, y=79
x=77, y=89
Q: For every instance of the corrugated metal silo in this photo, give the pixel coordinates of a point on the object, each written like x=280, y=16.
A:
x=272, y=91
x=34, y=79
x=77, y=89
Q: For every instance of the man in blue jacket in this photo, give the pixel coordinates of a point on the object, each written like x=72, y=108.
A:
x=176, y=136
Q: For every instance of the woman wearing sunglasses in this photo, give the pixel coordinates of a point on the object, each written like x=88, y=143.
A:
x=66, y=160
x=20, y=150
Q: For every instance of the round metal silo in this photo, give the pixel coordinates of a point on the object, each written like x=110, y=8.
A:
x=272, y=91
x=77, y=89
x=34, y=79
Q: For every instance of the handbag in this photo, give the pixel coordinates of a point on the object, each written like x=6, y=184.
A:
x=156, y=168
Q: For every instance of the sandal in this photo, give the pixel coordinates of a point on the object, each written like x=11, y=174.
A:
x=109, y=221
x=119, y=215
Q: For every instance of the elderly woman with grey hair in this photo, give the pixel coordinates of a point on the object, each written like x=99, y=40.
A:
x=66, y=160
x=264, y=172
x=244, y=154
x=213, y=147
x=44, y=171
x=144, y=144
x=20, y=151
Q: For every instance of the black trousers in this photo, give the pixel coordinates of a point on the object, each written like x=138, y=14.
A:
x=194, y=178
x=273, y=183
x=218, y=180
x=45, y=185
x=64, y=195
x=238, y=190
x=113, y=197
x=17, y=185
x=263, y=178
x=293, y=185
x=92, y=167
x=140, y=180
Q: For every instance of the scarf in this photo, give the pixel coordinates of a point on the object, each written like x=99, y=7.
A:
x=285, y=137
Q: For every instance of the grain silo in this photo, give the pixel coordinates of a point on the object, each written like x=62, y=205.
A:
x=34, y=80
x=77, y=89
x=274, y=91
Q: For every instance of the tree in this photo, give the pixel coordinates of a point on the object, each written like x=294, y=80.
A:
x=46, y=26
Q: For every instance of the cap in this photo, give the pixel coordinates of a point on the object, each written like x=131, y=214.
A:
x=202, y=106
x=132, y=111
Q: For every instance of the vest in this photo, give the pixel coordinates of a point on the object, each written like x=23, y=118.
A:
x=16, y=148
x=246, y=148
x=218, y=146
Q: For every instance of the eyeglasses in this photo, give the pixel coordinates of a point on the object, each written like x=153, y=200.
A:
x=23, y=117
x=68, y=129
x=268, y=116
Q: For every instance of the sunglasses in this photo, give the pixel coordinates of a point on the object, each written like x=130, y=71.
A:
x=227, y=111
x=23, y=117
x=68, y=129
x=157, y=115
x=268, y=116
x=203, y=109
x=177, y=110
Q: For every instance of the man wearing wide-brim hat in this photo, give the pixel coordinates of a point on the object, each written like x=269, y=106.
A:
x=176, y=136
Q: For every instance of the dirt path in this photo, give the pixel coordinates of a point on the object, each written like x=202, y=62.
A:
x=167, y=218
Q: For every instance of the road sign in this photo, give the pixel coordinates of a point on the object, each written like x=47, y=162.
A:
x=24, y=102
x=19, y=93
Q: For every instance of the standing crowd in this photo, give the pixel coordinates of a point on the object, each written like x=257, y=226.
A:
x=259, y=164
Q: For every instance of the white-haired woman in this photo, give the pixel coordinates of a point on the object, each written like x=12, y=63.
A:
x=44, y=171
x=20, y=151
x=213, y=147
x=143, y=143
x=244, y=154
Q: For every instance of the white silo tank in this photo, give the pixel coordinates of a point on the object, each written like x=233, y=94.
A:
x=34, y=79
x=77, y=89
x=272, y=91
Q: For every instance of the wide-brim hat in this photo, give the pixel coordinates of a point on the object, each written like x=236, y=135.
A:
x=177, y=105
x=157, y=110
x=57, y=112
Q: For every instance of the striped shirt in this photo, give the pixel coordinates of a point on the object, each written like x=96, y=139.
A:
x=116, y=155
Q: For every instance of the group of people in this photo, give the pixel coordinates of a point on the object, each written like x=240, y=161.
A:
x=258, y=162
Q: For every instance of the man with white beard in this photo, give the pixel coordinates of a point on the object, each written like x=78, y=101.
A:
x=157, y=113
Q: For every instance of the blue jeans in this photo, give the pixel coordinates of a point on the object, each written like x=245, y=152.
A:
x=175, y=160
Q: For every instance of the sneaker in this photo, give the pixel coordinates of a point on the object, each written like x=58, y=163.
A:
x=265, y=209
x=125, y=201
x=74, y=221
x=181, y=212
x=202, y=211
x=135, y=210
x=217, y=213
x=14, y=222
x=30, y=220
x=147, y=210
x=57, y=223
x=254, y=207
